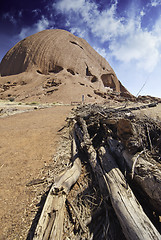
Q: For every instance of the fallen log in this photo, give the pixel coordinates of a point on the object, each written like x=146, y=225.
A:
x=50, y=225
x=147, y=176
x=150, y=105
x=134, y=222
x=86, y=143
x=143, y=173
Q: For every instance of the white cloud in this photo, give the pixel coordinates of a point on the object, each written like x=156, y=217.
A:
x=141, y=47
x=68, y=5
x=102, y=52
x=155, y=3
x=42, y=24
x=78, y=32
x=142, y=13
x=103, y=24
x=20, y=13
x=10, y=17
x=36, y=11
x=106, y=26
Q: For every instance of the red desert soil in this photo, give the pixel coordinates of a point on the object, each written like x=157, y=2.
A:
x=28, y=141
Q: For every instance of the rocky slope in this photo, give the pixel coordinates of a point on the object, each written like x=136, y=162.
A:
x=55, y=65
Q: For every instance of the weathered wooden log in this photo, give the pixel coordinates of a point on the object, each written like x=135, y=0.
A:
x=147, y=176
x=150, y=105
x=134, y=222
x=86, y=143
x=144, y=173
x=50, y=225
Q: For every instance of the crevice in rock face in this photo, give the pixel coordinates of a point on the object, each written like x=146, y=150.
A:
x=94, y=79
x=107, y=80
x=82, y=84
x=51, y=91
x=76, y=44
x=99, y=93
x=38, y=71
x=88, y=73
x=71, y=71
x=21, y=83
x=56, y=69
x=52, y=83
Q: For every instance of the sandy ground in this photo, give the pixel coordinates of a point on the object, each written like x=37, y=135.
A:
x=28, y=142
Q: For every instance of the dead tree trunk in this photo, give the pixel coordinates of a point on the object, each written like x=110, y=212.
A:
x=143, y=173
x=50, y=225
x=92, y=155
x=86, y=143
x=147, y=176
x=134, y=222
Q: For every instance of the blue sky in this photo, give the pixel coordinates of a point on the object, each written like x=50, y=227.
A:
x=127, y=33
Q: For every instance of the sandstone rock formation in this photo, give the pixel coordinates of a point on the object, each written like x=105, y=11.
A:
x=59, y=53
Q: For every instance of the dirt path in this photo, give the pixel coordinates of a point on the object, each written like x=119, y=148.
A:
x=28, y=142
